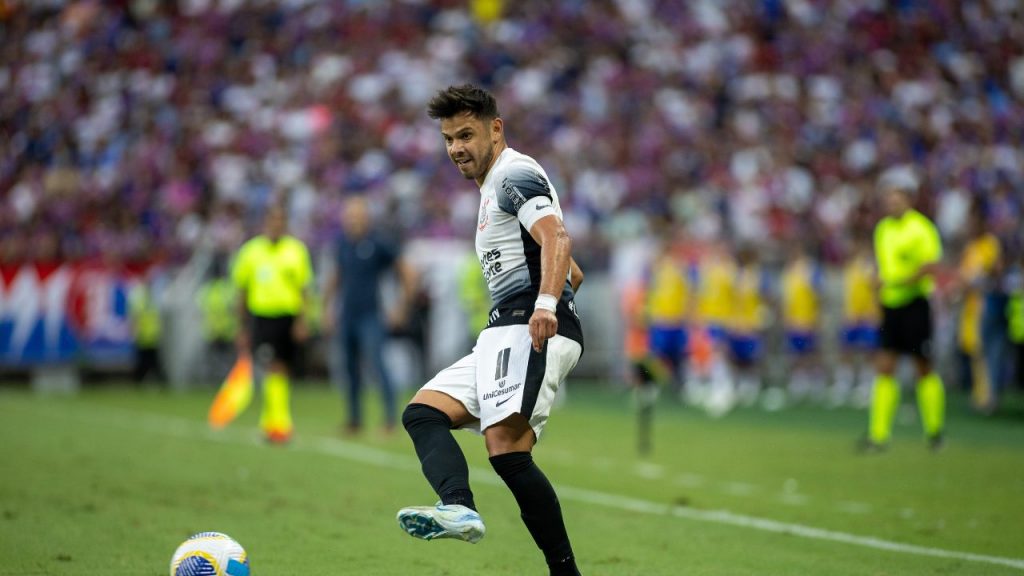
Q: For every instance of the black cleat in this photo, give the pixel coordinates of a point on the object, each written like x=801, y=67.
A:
x=866, y=445
x=936, y=442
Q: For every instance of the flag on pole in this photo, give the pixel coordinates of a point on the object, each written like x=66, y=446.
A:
x=234, y=394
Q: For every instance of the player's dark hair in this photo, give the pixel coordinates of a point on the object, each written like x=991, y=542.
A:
x=455, y=100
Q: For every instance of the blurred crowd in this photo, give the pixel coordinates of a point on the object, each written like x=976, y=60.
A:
x=140, y=130
x=136, y=129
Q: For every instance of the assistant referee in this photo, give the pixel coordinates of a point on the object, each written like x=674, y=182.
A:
x=272, y=273
x=907, y=247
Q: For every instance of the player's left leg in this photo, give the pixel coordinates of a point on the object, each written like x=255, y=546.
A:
x=931, y=394
x=278, y=346
x=931, y=402
x=442, y=404
x=276, y=418
x=509, y=445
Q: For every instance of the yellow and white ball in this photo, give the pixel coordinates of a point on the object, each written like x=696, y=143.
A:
x=210, y=554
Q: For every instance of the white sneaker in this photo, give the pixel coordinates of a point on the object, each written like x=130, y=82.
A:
x=441, y=521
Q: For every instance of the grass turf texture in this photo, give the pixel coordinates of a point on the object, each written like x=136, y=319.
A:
x=111, y=481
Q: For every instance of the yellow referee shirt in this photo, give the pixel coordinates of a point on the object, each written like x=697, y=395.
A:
x=273, y=275
x=903, y=245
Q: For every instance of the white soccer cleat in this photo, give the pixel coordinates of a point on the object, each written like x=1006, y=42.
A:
x=442, y=521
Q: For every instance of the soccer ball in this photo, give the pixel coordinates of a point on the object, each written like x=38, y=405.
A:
x=210, y=554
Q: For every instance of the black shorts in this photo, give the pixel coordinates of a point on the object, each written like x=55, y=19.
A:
x=908, y=329
x=272, y=339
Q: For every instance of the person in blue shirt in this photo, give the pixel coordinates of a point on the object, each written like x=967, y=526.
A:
x=362, y=256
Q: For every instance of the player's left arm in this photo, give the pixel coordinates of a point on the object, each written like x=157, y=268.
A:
x=555, y=258
x=575, y=275
x=930, y=247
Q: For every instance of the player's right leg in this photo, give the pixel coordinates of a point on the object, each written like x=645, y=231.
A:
x=429, y=419
x=885, y=400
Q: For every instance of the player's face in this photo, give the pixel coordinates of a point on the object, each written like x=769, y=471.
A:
x=275, y=223
x=470, y=143
x=896, y=202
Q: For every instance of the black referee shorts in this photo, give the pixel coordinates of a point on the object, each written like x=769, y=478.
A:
x=908, y=328
x=272, y=339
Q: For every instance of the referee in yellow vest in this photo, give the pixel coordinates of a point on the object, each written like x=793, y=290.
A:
x=908, y=248
x=273, y=273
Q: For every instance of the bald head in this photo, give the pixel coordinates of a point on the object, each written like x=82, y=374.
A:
x=355, y=216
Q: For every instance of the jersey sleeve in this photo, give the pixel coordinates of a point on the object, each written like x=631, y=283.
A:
x=305, y=265
x=242, y=269
x=526, y=194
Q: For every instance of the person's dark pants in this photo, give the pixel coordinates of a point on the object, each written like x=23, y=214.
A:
x=147, y=365
x=995, y=341
x=364, y=334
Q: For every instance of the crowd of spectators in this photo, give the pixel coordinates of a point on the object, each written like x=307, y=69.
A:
x=136, y=129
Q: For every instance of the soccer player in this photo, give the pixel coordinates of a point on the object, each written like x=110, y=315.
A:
x=858, y=337
x=800, y=295
x=506, y=385
x=709, y=382
x=907, y=247
x=978, y=274
x=272, y=273
x=667, y=307
x=748, y=319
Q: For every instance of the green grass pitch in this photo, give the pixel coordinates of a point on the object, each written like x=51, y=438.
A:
x=110, y=482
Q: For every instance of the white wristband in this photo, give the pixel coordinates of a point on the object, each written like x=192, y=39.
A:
x=546, y=302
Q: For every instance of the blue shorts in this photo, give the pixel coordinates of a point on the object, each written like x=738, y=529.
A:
x=718, y=333
x=668, y=343
x=860, y=336
x=745, y=348
x=800, y=343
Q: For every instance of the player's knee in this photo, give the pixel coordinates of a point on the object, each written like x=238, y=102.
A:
x=509, y=464
x=513, y=434
x=416, y=415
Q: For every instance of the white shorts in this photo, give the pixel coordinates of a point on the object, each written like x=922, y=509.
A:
x=504, y=375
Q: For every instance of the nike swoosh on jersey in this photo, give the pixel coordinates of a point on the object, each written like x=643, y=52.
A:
x=500, y=402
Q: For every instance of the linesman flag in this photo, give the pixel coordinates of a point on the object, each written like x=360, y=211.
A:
x=234, y=395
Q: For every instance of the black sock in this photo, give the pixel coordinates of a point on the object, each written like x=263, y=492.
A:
x=443, y=463
x=539, y=508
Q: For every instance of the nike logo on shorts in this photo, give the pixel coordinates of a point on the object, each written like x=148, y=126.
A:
x=500, y=402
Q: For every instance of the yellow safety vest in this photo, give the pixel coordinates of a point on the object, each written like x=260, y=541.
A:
x=273, y=275
x=903, y=245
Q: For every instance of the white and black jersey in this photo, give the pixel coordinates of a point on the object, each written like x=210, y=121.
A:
x=514, y=196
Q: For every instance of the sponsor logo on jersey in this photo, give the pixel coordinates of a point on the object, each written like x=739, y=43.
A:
x=513, y=193
x=490, y=263
x=502, y=392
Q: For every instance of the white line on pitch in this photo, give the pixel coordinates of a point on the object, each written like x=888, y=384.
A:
x=166, y=425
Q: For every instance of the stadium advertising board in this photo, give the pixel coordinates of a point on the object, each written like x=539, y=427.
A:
x=65, y=313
